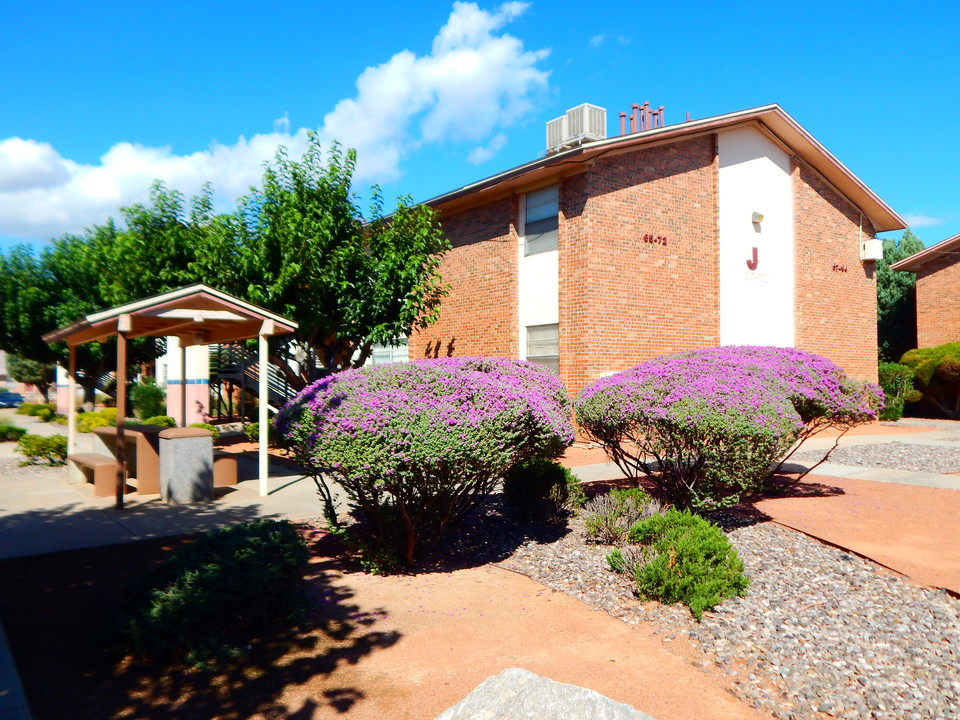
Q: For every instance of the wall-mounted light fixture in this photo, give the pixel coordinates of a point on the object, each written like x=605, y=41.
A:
x=757, y=218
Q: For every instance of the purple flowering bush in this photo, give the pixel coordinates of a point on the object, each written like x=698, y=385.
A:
x=708, y=425
x=415, y=446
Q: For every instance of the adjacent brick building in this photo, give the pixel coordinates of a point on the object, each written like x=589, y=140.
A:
x=938, y=292
x=736, y=229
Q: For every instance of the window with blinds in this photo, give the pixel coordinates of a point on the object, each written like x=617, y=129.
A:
x=543, y=345
x=541, y=221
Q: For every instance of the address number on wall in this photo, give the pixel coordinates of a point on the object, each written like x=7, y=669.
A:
x=656, y=239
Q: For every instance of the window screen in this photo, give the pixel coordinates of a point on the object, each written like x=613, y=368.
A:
x=383, y=354
x=541, y=221
x=543, y=345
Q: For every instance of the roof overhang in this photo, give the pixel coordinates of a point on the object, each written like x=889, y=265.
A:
x=197, y=314
x=771, y=119
x=934, y=252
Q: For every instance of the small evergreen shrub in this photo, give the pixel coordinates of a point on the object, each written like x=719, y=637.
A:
x=210, y=595
x=148, y=398
x=44, y=414
x=707, y=426
x=207, y=426
x=415, y=446
x=49, y=450
x=59, y=419
x=11, y=433
x=541, y=486
x=691, y=562
x=162, y=420
x=608, y=517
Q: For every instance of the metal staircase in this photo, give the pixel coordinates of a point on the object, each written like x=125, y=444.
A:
x=233, y=366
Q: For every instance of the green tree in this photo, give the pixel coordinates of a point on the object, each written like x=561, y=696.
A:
x=40, y=375
x=896, y=299
x=299, y=246
x=58, y=287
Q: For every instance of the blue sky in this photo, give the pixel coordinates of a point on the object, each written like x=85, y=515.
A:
x=99, y=98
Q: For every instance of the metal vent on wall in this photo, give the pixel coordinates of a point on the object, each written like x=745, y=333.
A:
x=580, y=124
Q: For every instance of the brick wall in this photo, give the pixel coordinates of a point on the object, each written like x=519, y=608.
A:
x=836, y=295
x=623, y=299
x=938, y=301
x=479, y=317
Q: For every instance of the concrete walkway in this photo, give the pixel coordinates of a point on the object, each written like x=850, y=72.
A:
x=40, y=512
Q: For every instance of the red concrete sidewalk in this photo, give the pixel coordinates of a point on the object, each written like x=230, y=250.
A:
x=912, y=529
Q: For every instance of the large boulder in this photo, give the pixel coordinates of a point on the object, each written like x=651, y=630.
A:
x=517, y=694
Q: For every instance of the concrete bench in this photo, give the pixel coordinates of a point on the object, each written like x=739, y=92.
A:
x=102, y=468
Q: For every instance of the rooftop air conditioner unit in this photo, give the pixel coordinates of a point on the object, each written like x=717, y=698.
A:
x=580, y=124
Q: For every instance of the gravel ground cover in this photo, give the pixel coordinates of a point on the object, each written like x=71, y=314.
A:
x=821, y=633
x=915, y=457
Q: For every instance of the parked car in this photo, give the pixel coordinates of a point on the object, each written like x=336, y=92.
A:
x=10, y=400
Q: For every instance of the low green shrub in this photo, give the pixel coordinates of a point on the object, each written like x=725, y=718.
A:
x=252, y=431
x=37, y=448
x=90, y=421
x=163, y=420
x=691, y=562
x=209, y=597
x=608, y=517
x=11, y=433
x=147, y=398
x=35, y=409
x=59, y=419
x=541, y=486
x=207, y=426
x=45, y=414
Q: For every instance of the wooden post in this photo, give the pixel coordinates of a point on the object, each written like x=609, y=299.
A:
x=72, y=401
x=121, y=414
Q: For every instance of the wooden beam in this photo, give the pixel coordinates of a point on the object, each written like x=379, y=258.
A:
x=121, y=414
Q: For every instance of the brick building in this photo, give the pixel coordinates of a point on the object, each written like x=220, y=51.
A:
x=938, y=291
x=735, y=229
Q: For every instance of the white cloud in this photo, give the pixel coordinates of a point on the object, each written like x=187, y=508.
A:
x=472, y=82
x=919, y=221
x=28, y=164
x=485, y=152
x=598, y=40
x=475, y=80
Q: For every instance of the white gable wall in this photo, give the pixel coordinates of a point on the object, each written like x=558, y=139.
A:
x=756, y=305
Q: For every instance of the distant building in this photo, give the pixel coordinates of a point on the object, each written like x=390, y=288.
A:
x=938, y=291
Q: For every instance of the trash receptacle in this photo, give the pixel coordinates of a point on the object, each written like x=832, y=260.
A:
x=186, y=465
